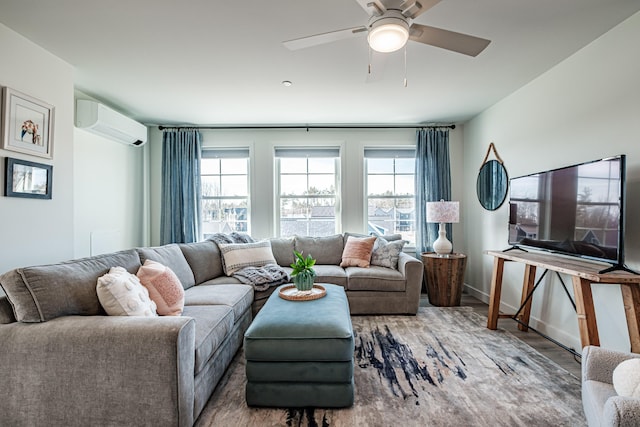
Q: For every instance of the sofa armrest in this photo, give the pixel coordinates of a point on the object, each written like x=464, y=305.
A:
x=412, y=269
x=98, y=370
x=621, y=412
x=598, y=363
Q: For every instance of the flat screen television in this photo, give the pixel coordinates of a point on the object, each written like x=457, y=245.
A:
x=574, y=210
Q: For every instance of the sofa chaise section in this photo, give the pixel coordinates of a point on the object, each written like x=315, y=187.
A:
x=63, y=361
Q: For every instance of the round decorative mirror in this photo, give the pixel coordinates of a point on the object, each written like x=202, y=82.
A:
x=492, y=185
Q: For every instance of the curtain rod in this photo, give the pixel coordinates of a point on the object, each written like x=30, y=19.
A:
x=307, y=127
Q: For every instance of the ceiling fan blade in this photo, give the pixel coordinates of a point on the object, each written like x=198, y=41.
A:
x=323, y=38
x=450, y=40
x=372, y=7
x=413, y=9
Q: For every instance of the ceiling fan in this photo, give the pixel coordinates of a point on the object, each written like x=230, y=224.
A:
x=391, y=25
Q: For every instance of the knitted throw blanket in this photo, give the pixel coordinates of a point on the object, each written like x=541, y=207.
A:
x=262, y=277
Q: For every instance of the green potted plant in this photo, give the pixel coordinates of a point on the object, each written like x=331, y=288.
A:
x=303, y=273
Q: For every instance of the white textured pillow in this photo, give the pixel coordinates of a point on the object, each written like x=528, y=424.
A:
x=122, y=294
x=626, y=378
x=239, y=255
x=386, y=254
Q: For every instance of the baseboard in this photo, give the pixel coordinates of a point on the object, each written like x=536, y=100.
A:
x=545, y=328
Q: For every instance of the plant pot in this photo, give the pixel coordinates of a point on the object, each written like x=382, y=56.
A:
x=304, y=280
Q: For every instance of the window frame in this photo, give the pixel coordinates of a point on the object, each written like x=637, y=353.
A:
x=306, y=153
x=398, y=152
x=221, y=154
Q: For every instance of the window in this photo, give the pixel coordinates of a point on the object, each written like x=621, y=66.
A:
x=391, y=192
x=307, y=191
x=225, y=191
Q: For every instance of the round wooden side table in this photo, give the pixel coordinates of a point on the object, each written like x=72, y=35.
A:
x=445, y=277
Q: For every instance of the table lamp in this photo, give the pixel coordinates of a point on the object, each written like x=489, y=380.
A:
x=443, y=213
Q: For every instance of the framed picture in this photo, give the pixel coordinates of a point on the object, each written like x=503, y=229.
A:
x=26, y=124
x=28, y=179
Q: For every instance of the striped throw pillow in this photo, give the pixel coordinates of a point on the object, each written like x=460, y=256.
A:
x=239, y=255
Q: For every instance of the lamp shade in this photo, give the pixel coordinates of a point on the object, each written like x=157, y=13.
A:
x=447, y=212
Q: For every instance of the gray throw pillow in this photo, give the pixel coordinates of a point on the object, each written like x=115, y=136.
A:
x=386, y=254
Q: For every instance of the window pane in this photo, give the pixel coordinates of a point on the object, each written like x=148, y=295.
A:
x=322, y=165
x=293, y=208
x=321, y=184
x=380, y=185
x=210, y=186
x=210, y=166
x=379, y=166
x=405, y=166
x=234, y=166
x=404, y=185
x=293, y=184
x=224, y=216
x=293, y=165
x=234, y=185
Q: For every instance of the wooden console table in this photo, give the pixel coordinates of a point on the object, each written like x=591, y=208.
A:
x=583, y=275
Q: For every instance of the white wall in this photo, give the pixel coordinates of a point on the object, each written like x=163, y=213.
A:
x=585, y=108
x=34, y=231
x=110, y=205
x=98, y=185
x=261, y=144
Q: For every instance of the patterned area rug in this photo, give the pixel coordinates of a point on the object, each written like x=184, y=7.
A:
x=440, y=368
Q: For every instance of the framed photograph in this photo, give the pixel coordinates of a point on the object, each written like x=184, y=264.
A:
x=26, y=124
x=28, y=179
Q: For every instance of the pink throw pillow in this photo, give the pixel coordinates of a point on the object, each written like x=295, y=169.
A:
x=357, y=252
x=164, y=288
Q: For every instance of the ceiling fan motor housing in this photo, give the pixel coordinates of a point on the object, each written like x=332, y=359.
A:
x=389, y=31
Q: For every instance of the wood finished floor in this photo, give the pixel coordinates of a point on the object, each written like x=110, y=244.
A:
x=559, y=355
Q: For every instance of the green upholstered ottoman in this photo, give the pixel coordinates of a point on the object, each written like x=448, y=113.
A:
x=300, y=353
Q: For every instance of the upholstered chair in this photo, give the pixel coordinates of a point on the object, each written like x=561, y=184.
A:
x=602, y=405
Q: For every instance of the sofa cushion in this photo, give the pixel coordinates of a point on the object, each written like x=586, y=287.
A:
x=386, y=254
x=213, y=325
x=204, y=260
x=239, y=255
x=164, y=287
x=237, y=297
x=222, y=280
x=121, y=294
x=282, y=249
x=357, y=251
x=325, y=250
x=171, y=256
x=6, y=311
x=375, y=278
x=387, y=237
x=42, y=293
x=330, y=274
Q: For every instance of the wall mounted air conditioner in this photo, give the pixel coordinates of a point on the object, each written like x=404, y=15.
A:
x=97, y=118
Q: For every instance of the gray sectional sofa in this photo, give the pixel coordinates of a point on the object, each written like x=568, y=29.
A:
x=63, y=361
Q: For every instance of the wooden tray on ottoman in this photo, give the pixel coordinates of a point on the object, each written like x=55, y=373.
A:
x=292, y=294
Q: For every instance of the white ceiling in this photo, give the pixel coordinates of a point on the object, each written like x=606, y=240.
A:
x=210, y=62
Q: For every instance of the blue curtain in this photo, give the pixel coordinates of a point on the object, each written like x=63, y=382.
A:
x=433, y=182
x=180, y=215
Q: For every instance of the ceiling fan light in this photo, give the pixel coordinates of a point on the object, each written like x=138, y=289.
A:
x=388, y=37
